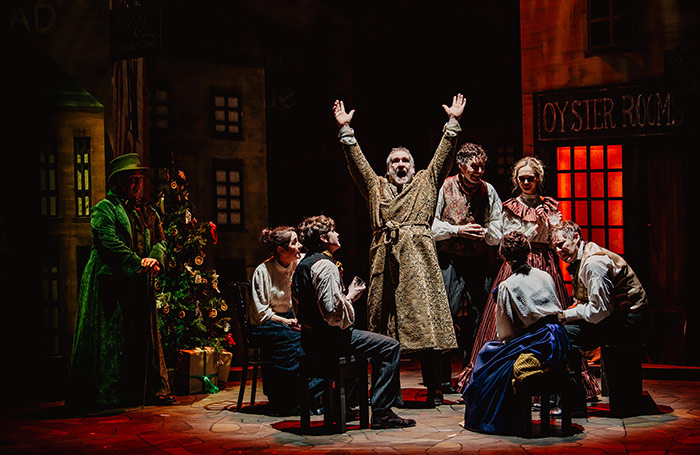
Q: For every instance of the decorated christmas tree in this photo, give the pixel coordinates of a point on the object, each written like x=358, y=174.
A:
x=191, y=310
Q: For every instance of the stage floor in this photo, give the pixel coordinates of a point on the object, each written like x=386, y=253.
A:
x=210, y=424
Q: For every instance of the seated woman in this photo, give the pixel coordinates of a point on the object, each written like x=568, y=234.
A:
x=273, y=326
x=526, y=322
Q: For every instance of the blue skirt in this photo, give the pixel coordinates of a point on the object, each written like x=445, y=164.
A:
x=489, y=396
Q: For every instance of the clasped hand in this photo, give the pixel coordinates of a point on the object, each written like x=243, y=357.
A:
x=150, y=265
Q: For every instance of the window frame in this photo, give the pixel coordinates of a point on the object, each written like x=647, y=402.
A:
x=228, y=166
x=227, y=93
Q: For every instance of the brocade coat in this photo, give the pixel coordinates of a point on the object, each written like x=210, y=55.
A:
x=406, y=299
x=117, y=343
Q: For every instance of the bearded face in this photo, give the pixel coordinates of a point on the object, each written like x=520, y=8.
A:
x=400, y=168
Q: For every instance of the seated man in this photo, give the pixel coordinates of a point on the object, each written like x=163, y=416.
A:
x=526, y=323
x=327, y=316
x=611, y=305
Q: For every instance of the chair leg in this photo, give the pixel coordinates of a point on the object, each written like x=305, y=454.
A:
x=254, y=384
x=328, y=402
x=341, y=411
x=363, y=392
x=241, y=389
x=565, y=405
x=545, y=427
x=305, y=398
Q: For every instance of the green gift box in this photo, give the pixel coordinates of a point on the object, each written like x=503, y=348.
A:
x=197, y=371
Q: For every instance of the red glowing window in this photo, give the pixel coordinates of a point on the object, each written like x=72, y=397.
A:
x=590, y=189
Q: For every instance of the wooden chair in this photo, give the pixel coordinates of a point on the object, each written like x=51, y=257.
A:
x=336, y=374
x=240, y=294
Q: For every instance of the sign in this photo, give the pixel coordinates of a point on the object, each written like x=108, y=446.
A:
x=135, y=32
x=639, y=110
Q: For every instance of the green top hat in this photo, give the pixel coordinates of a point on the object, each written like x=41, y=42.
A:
x=124, y=163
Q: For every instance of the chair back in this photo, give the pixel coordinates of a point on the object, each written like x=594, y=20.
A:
x=240, y=295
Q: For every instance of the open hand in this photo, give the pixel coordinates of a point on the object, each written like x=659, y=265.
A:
x=457, y=108
x=341, y=117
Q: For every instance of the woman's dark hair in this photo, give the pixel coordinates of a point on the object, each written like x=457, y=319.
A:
x=311, y=230
x=514, y=248
x=279, y=236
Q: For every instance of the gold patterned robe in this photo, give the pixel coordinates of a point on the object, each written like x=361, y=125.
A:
x=406, y=298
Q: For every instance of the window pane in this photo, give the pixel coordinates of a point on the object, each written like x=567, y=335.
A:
x=563, y=158
x=221, y=218
x=600, y=34
x=232, y=116
x=221, y=204
x=617, y=243
x=234, y=176
x=615, y=184
x=233, y=102
x=615, y=213
x=580, y=185
x=220, y=128
x=614, y=157
x=565, y=207
x=220, y=115
x=220, y=176
x=597, y=213
x=623, y=7
x=219, y=101
x=233, y=129
x=581, y=215
x=598, y=236
x=235, y=204
x=599, y=8
x=580, y=161
x=597, y=184
x=220, y=190
x=564, y=185
x=235, y=190
x=623, y=30
x=597, y=160
x=235, y=218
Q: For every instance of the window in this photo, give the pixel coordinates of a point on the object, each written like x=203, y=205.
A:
x=229, y=193
x=81, y=147
x=505, y=157
x=612, y=24
x=589, y=189
x=228, y=115
x=50, y=299
x=161, y=109
x=48, y=171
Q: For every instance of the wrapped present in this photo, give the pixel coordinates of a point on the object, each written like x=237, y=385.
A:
x=224, y=365
x=197, y=371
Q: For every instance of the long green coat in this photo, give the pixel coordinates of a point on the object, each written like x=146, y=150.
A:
x=117, y=355
x=406, y=298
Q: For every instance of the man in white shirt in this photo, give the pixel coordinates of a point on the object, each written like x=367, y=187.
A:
x=327, y=316
x=611, y=305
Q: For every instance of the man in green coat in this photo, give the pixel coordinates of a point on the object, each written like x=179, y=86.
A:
x=117, y=354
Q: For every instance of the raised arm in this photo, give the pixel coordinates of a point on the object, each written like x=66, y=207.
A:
x=360, y=170
x=442, y=160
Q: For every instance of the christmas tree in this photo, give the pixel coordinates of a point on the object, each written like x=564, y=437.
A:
x=191, y=310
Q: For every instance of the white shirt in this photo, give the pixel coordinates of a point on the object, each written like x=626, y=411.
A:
x=335, y=307
x=596, y=275
x=522, y=300
x=271, y=291
x=442, y=230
